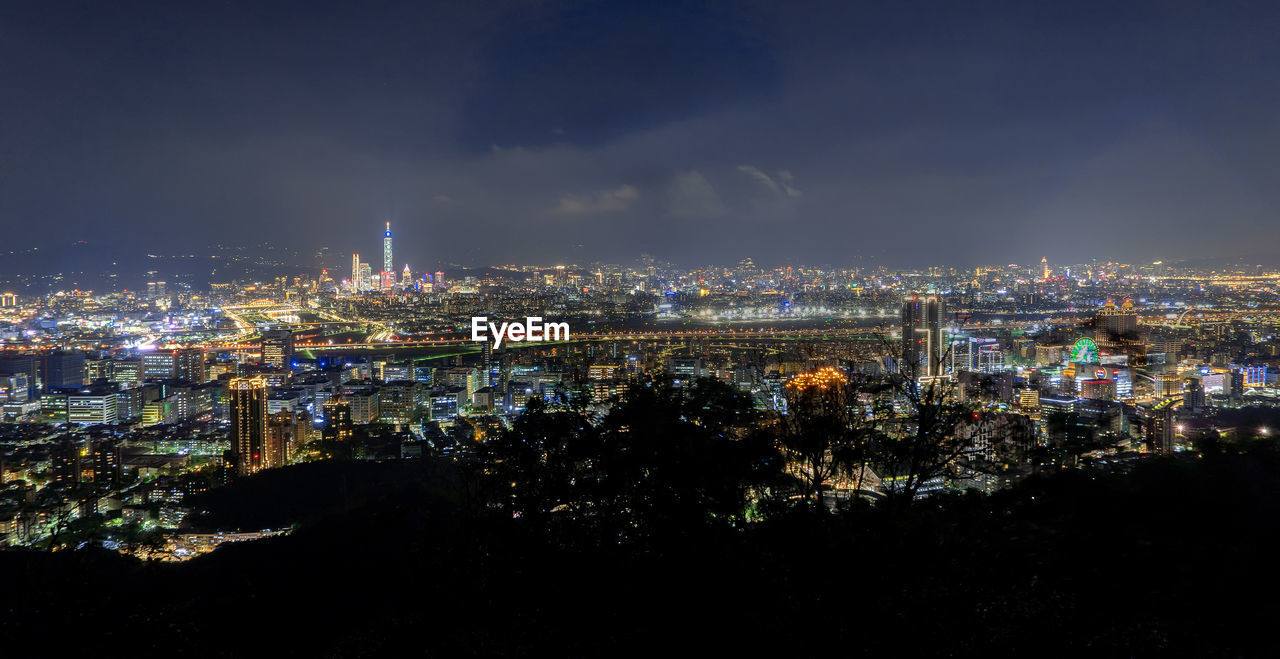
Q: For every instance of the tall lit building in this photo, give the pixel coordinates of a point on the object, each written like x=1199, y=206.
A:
x=92, y=406
x=1161, y=424
x=248, y=404
x=923, y=336
x=186, y=365
x=989, y=357
x=1029, y=402
x=961, y=358
x=1044, y=266
x=1114, y=325
x=355, y=272
x=277, y=348
x=388, y=266
x=338, y=424
x=366, y=278
x=1193, y=395
x=286, y=431
x=1116, y=331
x=106, y=454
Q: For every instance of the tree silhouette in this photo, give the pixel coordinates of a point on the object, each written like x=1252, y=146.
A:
x=818, y=434
x=915, y=420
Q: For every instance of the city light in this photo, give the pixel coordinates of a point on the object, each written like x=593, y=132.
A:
x=747, y=328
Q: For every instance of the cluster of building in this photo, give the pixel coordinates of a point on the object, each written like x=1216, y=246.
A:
x=125, y=402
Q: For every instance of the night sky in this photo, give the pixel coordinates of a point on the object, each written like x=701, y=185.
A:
x=486, y=132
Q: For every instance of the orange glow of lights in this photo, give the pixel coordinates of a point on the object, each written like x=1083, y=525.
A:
x=822, y=378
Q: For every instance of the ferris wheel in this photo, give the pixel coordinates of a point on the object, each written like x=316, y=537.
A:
x=1084, y=351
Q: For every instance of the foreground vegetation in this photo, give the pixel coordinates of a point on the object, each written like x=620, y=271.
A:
x=672, y=527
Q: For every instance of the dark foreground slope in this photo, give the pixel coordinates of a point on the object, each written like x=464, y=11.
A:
x=1178, y=556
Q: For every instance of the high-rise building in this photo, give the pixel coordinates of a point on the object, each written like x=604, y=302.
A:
x=28, y=365
x=1113, y=325
x=989, y=357
x=923, y=336
x=962, y=359
x=186, y=365
x=62, y=369
x=1193, y=394
x=14, y=388
x=1116, y=331
x=486, y=363
x=277, y=348
x=127, y=372
x=1161, y=427
x=338, y=424
x=1029, y=402
x=286, y=431
x=1237, y=384
x=189, y=365
x=247, y=398
x=92, y=406
x=106, y=461
x=388, y=266
x=64, y=462
x=1098, y=389
x=398, y=402
x=364, y=406
x=355, y=272
x=157, y=365
x=366, y=278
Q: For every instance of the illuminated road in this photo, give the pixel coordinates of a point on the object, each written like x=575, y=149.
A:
x=383, y=337
x=823, y=334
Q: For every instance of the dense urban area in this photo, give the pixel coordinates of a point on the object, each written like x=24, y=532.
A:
x=123, y=408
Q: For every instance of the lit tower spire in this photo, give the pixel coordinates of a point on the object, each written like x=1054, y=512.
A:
x=387, y=250
x=388, y=268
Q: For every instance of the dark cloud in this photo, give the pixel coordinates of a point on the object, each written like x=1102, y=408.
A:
x=697, y=132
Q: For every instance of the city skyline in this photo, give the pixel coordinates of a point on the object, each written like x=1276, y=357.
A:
x=32, y=272
x=577, y=328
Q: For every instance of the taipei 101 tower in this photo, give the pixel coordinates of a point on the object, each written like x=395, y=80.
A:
x=388, y=268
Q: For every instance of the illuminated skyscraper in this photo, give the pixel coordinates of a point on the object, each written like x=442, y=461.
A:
x=286, y=430
x=277, y=348
x=1114, y=325
x=1044, y=265
x=337, y=420
x=1161, y=424
x=1116, y=330
x=365, y=278
x=355, y=272
x=923, y=336
x=388, y=267
x=248, y=403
